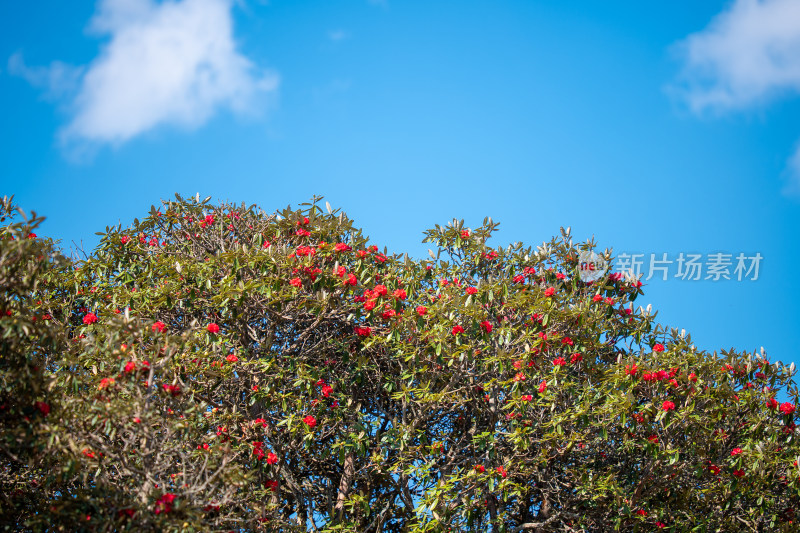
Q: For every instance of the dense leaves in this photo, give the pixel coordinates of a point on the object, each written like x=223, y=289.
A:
x=213, y=367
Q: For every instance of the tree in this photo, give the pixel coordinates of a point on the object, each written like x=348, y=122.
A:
x=213, y=367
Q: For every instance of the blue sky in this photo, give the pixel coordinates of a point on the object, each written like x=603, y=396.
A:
x=657, y=127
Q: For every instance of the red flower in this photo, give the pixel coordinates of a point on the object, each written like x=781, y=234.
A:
x=164, y=503
x=327, y=390
x=310, y=421
x=471, y=290
x=363, y=331
x=351, y=280
x=526, y=397
x=787, y=408
x=159, y=326
x=693, y=377
x=542, y=387
x=400, y=294
x=668, y=406
x=519, y=376
x=576, y=358
x=130, y=366
x=641, y=512
x=342, y=247
x=272, y=458
x=772, y=403
x=271, y=484
x=258, y=450
x=501, y=471
x=124, y=239
x=105, y=383
x=631, y=369
x=296, y=282
x=736, y=451
x=653, y=439
x=480, y=468
x=597, y=298
x=559, y=361
x=738, y=473
x=519, y=278
x=212, y=328
x=232, y=358
x=304, y=251
x=486, y=326
x=422, y=310
x=465, y=234
x=658, y=347
x=380, y=290
x=550, y=292
x=90, y=318
x=174, y=390
x=43, y=408
x=456, y=330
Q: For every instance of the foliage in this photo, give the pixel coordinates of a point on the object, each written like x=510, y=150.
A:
x=215, y=368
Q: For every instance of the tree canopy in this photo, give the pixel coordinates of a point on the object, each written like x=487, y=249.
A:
x=213, y=367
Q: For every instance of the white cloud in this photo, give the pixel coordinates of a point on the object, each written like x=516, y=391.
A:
x=748, y=56
x=338, y=35
x=792, y=185
x=328, y=92
x=58, y=81
x=168, y=63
